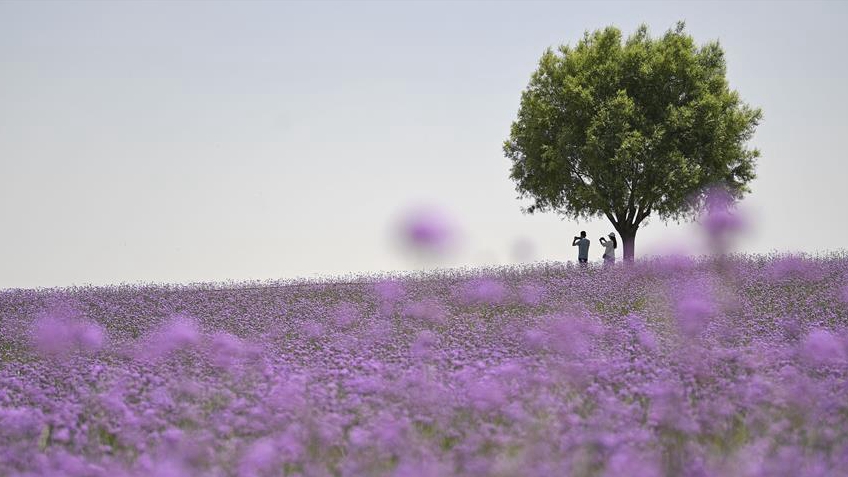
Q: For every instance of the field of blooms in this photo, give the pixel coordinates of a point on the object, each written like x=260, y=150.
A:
x=668, y=367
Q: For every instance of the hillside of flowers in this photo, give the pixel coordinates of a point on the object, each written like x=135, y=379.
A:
x=672, y=366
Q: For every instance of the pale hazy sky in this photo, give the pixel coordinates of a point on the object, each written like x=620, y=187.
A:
x=176, y=142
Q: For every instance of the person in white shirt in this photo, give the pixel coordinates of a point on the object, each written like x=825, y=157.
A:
x=609, y=248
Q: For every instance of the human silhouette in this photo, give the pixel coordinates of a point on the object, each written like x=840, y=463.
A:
x=582, y=244
x=609, y=248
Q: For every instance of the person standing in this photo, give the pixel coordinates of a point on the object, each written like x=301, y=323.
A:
x=609, y=249
x=582, y=244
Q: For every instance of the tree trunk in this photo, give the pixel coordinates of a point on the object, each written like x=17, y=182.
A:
x=627, y=232
x=629, y=241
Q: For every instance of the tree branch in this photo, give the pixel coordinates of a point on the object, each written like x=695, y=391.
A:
x=611, y=218
x=643, y=214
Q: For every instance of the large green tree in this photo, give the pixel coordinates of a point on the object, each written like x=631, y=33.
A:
x=627, y=129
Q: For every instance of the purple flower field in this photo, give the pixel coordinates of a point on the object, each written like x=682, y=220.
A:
x=667, y=367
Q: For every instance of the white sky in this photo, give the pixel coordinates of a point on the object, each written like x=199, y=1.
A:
x=175, y=142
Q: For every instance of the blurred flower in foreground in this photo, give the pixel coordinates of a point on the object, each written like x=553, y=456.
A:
x=721, y=223
x=180, y=332
x=389, y=290
x=424, y=344
x=61, y=331
x=531, y=293
x=644, y=336
x=226, y=349
x=668, y=407
x=428, y=230
x=793, y=266
x=20, y=423
x=259, y=458
x=572, y=336
x=694, y=311
x=345, y=315
x=482, y=291
x=821, y=347
x=428, y=310
x=625, y=461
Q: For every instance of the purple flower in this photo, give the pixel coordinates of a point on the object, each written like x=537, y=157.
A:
x=821, y=347
x=259, y=458
x=669, y=408
x=572, y=335
x=389, y=290
x=428, y=310
x=429, y=230
x=627, y=461
x=424, y=344
x=483, y=291
x=345, y=315
x=313, y=330
x=178, y=333
x=20, y=423
x=58, y=335
x=412, y=377
x=722, y=222
x=531, y=293
x=486, y=395
x=535, y=339
x=391, y=432
x=793, y=267
x=694, y=312
x=426, y=468
x=225, y=349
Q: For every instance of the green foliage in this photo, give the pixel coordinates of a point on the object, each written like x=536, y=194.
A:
x=629, y=128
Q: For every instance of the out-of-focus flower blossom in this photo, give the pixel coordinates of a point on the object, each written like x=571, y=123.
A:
x=226, y=349
x=391, y=433
x=627, y=461
x=178, y=333
x=57, y=335
x=20, y=423
x=535, y=339
x=669, y=408
x=821, y=347
x=417, y=468
x=429, y=230
x=531, y=293
x=365, y=384
x=346, y=315
x=389, y=290
x=694, y=311
x=259, y=458
x=428, y=310
x=487, y=395
x=792, y=327
x=644, y=336
x=424, y=344
x=313, y=330
x=572, y=335
x=483, y=291
x=721, y=223
x=791, y=267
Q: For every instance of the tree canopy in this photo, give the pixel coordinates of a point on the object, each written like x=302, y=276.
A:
x=632, y=128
